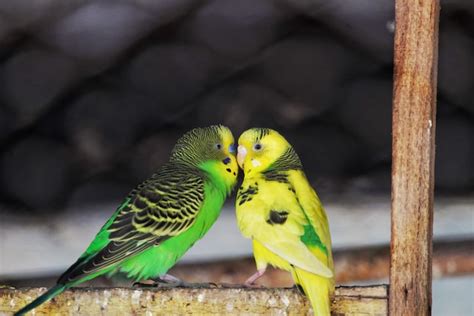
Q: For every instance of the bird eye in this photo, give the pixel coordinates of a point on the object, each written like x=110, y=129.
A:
x=257, y=147
x=218, y=146
x=232, y=148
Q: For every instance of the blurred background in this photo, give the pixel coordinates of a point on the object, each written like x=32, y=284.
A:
x=93, y=95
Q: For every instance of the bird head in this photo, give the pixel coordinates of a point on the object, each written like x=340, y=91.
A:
x=211, y=149
x=261, y=149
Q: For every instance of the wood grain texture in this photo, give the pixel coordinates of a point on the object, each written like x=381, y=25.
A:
x=370, y=300
x=413, y=137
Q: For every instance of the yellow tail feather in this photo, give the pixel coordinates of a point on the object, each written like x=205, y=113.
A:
x=318, y=289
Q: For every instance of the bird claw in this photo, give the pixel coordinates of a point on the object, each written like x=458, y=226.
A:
x=254, y=277
x=165, y=281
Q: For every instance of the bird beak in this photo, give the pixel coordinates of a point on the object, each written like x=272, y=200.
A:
x=241, y=154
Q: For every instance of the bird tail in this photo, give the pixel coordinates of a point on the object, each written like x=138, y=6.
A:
x=52, y=292
x=318, y=289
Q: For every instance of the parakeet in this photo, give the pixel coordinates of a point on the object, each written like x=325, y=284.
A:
x=162, y=217
x=281, y=213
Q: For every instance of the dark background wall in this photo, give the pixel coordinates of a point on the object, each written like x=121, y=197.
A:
x=93, y=94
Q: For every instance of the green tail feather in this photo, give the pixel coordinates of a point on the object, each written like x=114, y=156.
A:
x=52, y=292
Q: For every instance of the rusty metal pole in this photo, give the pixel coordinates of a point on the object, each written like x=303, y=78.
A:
x=413, y=139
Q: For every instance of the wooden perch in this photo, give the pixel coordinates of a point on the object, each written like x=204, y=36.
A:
x=370, y=300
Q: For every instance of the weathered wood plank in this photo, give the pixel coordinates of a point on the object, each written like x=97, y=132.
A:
x=370, y=300
x=413, y=136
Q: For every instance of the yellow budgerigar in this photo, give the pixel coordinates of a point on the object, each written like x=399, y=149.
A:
x=279, y=210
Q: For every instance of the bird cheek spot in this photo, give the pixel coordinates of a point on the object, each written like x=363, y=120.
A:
x=226, y=161
x=255, y=163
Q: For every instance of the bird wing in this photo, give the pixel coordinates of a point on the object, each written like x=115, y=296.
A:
x=276, y=208
x=318, y=233
x=297, y=254
x=163, y=206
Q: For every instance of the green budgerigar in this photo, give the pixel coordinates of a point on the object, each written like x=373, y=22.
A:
x=161, y=218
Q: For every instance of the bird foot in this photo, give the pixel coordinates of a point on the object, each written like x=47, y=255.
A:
x=251, y=281
x=166, y=280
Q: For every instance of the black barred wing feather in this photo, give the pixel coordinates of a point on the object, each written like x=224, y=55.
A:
x=163, y=206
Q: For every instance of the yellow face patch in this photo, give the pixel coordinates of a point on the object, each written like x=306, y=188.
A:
x=259, y=148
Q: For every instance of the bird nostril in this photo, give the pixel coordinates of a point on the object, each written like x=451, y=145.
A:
x=226, y=161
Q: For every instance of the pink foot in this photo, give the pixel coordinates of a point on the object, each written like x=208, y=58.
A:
x=251, y=281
